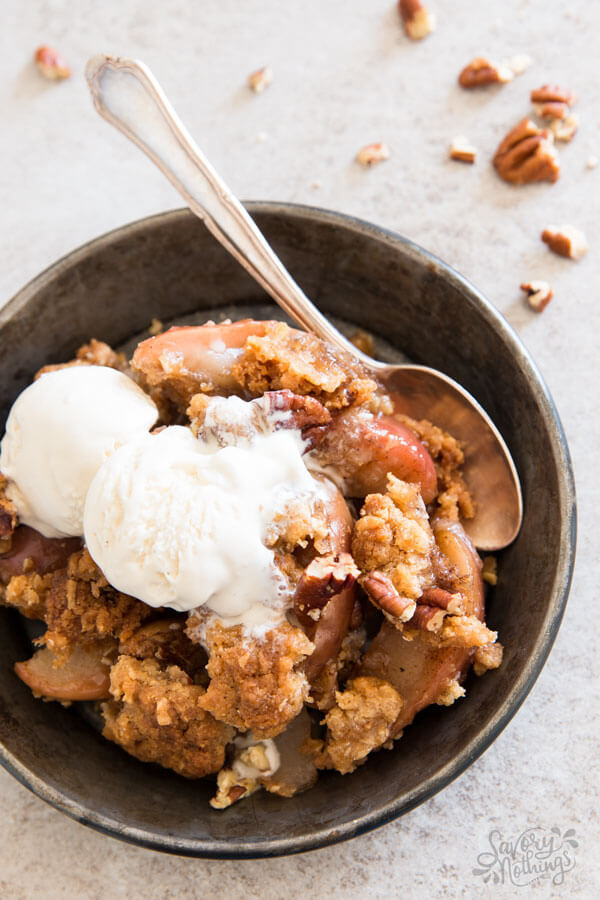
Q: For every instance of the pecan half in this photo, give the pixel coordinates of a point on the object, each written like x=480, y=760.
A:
x=462, y=150
x=480, y=72
x=51, y=64
x=428, y=618
x=452, y=603
x=383, y=594
x=552, y=93
x=527, y=155
x=260, y=79
x=417, y=20
x=539, y=295
x=566, y=241
x=322, y=579
x=373, y=153
x=552, y=110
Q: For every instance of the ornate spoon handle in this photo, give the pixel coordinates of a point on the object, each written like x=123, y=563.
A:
x=128, y=96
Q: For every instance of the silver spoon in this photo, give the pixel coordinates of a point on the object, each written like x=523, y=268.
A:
x=128, y=96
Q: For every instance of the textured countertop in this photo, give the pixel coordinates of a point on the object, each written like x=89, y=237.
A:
x=345, y=75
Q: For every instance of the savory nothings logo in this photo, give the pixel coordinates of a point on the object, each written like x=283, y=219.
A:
x=534, y=854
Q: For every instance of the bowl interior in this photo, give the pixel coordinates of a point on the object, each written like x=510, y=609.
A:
x=168, y=267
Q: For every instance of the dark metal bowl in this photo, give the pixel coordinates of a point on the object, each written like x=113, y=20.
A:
x=169, y=266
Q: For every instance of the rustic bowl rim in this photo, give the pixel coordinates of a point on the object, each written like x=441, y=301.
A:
x=556, y=603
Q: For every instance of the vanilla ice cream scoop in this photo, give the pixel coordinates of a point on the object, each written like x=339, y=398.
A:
x=59, y=432
x=180, y=522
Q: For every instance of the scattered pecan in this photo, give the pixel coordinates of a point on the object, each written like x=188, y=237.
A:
x=552, y=93
x=452, y=603
x=539, y=295
x=322, y=579
x=462, y=150
x=373, y=153
x=527, y=155
x=552, y=110
x=428, y=618
x=566, y=241
x=384, y=595
x=260, y=79
x=51, y=64
x=417, y=20
x=566, y=129
x=592, y=162
x=519, y=63
x=480, y=71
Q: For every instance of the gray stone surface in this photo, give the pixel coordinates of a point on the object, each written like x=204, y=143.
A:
x=345, y=75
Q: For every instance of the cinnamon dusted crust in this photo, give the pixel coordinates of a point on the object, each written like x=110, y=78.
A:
x=284, y=358
x=157, y=716
x=254, y=684
x=96, y=353
x=77, y=604
x=454, y=498
x=393, y=536
x=360, y=722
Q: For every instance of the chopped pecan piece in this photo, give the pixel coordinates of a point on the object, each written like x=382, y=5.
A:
x=51, y=64
x=260, y=79
x=539, y=294
x=592, y=162
x=480, y=71
x=384, y=595
x=552, y=93
x=527, y=155
x=566, y=241
x=462, y=150
x=373, y=153
x=417, y=20
x=566, y=129
x=322, y=579
x=519, y=63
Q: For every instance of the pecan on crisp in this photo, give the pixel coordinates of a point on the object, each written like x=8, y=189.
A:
x=462, y=150
x=417, y=20
x=284, y=409
x=480, y=72
x=442, y=599
x=51, y=64
x=260, y=79
x=552, y=93
x=384, y=596
x=428, y=618
x=322, y=579
x=566, y=241
x=373, y=153
x=539, y=295
x=527, y=155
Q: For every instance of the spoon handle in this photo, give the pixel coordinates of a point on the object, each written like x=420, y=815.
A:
x=128, y=96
